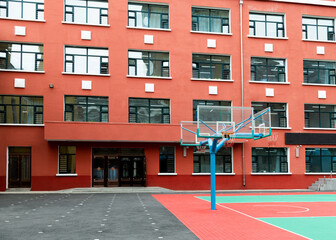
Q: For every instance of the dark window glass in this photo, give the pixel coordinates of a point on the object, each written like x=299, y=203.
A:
x=266, y=25
x=67, y=159
x=86, y=109
x=223, y=161
x=318, y=29
x=210, y=20
x=148, y=15
x=21, y=109
x=167, y=160
x=319, y=72
x=147, y=110
x=278, y=112
x=320, y=116
x=22, y=9
x=320, y=160
x=268, y=70
x=211, y=67
x=269, y=160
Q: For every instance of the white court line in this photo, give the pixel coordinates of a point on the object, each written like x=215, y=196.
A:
x=302, y=211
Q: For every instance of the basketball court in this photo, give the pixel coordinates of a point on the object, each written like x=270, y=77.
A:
x=256, y=216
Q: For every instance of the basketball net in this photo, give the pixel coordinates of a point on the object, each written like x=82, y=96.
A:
x=271, y=140
x=201, y=149
x=230, y=142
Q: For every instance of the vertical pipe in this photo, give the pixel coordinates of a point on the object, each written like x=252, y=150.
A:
x=213, y=179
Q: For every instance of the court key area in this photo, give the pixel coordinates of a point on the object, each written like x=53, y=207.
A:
x=257, y=216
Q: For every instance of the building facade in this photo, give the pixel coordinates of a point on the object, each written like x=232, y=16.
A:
x=92, y=93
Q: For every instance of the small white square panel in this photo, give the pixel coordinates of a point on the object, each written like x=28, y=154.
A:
x=86, y=85
x=20, y=31
x=149, y=87
x=320, y=50
x=149, y=39
x=211, y=43
x=268, y=47
x=86, y=35
x=19, y=83
x=213, y=90
x=322, y=94
x=269, y=92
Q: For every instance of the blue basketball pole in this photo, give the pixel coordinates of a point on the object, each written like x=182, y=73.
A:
x=213, y=149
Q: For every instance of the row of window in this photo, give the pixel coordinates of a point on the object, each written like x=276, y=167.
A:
x=144, y=15
x=264, y=160
x=85, y=60
x=29, y=110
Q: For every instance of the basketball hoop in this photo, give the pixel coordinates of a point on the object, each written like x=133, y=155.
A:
x=227, y=134
x=271, y=140
x=201, y=149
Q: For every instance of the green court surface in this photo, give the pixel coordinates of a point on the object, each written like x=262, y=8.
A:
x=319, y=228
x=273, y=198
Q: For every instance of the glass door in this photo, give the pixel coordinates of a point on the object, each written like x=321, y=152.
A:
x=19, y=167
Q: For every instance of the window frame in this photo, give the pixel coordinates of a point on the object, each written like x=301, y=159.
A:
x=209, y=17
x=38, y=9
x=39, y=56
x=253, y=69
x=167, y=154
x=20, y=105
x=87, y=7
x=211, y=62
x=317, y=18
x=162, y=23
x=135, y=112
x=87, y=105
x=254, y=161
x=266, y=14
x=102, y=65
x=59, y=155
x=320, y=156
x=279, y=117
x=331, y=76
x=332, y=120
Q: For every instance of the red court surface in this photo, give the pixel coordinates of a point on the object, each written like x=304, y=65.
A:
x=239, y=220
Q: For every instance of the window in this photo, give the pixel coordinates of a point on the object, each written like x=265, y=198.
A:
x=85, y=60
x=22, y=9
x=320, y=116
x=86, y=11
x=148, y=15
x=318, y=29
x=223, y=161
x=319, y=72
x=67, y=160
x=278, y=112
x=86, y=109
x=208, y=103
x=210, y=20
x=149, y=110
x=21, y=109
x=268, y=70
x=152, y=64
x=211, y=67
x=167, y=160
x=320, y=160
x=17, y=56
x=267, y=25
x=269, y=160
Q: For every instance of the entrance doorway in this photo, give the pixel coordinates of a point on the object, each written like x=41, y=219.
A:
x=118, y=167
x=19, y=167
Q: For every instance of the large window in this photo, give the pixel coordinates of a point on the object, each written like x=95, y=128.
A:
x=17, y=56
x=320, y=116
x=268, y=69
x=267, y=25
x=211, y=67
x=152, y=64
x=167, y=160
x=149, y=110
x=67, y=160
x=85, y=60
x=86, y=109
x=148, y=15
x=21, y=109
x=208, y=103
x=320, y=160
x=223, y=161
x=269, y=160
x=322, y=29
x=210, y=20
x=278, y=112
x=22, y=9
x=319, y=72
x=86, y=11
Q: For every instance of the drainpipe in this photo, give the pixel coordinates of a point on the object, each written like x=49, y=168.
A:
x=242, y=75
